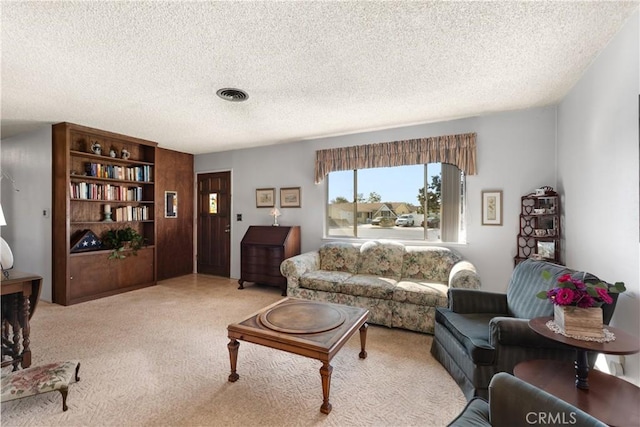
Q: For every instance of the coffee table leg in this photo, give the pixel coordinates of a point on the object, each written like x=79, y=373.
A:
x=233, y=357
x=363, y=340
x=325, y=372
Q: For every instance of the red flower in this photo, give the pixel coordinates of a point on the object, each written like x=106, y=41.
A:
x=564, y=278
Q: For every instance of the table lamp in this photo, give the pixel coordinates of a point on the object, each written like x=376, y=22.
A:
x=6, y=256
x=275, y=213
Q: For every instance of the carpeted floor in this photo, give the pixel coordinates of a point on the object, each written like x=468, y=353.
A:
x=158, y=357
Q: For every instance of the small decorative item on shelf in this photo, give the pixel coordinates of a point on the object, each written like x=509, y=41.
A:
x=119, y=240
x=125, y=154
x=85, y=241
x=113, y=153
x=275, y=213
x=107, y=213
x=577, y=311
x=96, y=148
x=540, y=232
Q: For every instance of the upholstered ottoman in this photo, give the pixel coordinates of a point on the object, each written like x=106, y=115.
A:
x=40, y=379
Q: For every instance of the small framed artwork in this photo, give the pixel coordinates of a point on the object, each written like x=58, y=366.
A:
x=265, y=197
x=290, y=197
x=547, y=249
x=170, y=204
x=492, y=207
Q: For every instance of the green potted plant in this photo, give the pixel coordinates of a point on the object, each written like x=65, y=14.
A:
x=119, y=240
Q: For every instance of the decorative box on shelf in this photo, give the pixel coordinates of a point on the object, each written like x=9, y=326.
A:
x=584, y=322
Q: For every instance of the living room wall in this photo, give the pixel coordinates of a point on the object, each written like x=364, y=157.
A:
x=27, y=159
x=598, y=174
x=516, y=154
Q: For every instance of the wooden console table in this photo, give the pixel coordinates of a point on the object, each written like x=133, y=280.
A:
x=20, y=295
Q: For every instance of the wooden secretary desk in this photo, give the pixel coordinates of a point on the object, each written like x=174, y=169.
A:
x=262, y=250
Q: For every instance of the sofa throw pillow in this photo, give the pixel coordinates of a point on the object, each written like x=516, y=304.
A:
x=381, y=258
x=433, y=263
x=339, y=256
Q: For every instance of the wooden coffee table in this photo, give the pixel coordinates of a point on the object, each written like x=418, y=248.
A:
x=309, y=328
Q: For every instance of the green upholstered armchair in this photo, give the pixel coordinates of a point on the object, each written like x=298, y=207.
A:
x=482, y=333
x=513, y=402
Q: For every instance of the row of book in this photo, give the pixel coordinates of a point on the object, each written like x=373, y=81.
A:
x=129, y=173
x=130, y=213
x=96, y=191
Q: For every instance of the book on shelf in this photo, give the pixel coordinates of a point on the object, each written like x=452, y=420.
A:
x=131, y=213
x=98, y=191
x=141, y=173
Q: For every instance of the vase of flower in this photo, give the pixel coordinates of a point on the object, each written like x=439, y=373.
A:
x=583, y=322
x=577, y=304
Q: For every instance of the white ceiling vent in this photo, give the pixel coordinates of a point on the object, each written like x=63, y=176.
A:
x=233, y=95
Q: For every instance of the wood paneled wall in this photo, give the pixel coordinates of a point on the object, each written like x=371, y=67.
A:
x=174, y=172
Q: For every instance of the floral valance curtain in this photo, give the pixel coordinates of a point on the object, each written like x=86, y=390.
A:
x=458, y=150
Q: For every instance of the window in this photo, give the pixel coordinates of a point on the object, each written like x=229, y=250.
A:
x=391, y=203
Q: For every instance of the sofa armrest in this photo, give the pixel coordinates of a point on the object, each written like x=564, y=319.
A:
x=293, y=268
x=464, y=275
x=475, y=301
x=513, y=402
x=511, y=331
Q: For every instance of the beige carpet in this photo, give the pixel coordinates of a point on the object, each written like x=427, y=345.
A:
x=158, y=357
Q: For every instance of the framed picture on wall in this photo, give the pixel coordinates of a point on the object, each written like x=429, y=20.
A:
x=265, y=197
x=492, y=207
x=290, y=197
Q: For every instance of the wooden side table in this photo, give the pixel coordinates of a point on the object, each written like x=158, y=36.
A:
x=20, y=295
x=623, y=344
x=606, y=397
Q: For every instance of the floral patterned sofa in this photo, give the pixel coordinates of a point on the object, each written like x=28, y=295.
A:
x=400, y=285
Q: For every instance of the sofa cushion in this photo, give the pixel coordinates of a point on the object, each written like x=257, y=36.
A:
x=432, y=263
x=472, y=331
x=381, y=258
x=421, y=292
x=339, y=256
x=368, y=285
x=322, y=280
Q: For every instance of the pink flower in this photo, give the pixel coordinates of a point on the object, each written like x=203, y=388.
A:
x=579, y=284
x=586, y=301
x=603, y=294
x=564, y=296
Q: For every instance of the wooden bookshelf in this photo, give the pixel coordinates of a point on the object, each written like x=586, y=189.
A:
x=86, y=185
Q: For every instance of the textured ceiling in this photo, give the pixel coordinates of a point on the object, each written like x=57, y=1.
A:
x=311, y=69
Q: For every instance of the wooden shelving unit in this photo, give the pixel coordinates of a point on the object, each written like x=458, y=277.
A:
x=82, y=189
x=540, y=231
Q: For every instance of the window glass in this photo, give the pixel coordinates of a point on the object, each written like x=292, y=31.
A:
x=341, y=206
x=391, y=203
x=213, y=203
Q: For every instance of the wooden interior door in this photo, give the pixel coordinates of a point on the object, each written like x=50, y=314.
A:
x=214, y=223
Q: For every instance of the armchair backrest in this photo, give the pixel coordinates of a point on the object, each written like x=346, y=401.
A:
x=526, y=281
x=513, y=402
